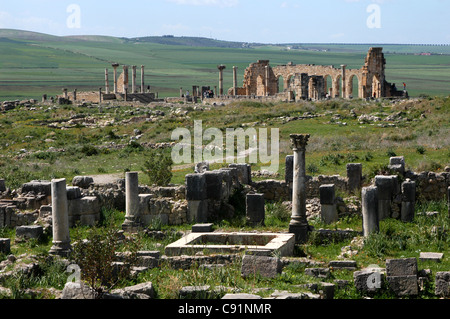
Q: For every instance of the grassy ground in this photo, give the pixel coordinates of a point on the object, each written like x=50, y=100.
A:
x=31, y=68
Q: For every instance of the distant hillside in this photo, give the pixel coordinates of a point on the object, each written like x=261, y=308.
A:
x=191, y=41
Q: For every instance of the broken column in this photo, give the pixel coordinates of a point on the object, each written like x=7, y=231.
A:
x=397, y=164
x=106, y=81
x=299, y=224
x=408, y=200
x=115, y=65
x=329, y=211
x=235, y=80
x=344, y=81
x=60, y=219
x=125, y=79
x=221, y=68
x=385, y=185
x=75, y=94
x=131, y=222
x=369, y=208
x=255, y=209
x=354, y=176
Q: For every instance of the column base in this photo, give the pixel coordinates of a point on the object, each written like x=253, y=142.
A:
x=300, y=230
x=131, y=225
x=61, y=249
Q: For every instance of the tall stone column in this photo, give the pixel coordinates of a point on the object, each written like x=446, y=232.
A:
x=60, y=218
x=221, y=68
x=369, y=208
x=125, y=78
x=106, y=81
x=115, y=65
x=142, y=79
x=133, y=79
x=75, y=94
x=131, y=222
x=235, y=80
x=299, y=224
x=344, y=81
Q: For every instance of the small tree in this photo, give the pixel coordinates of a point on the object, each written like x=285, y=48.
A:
x=159, y=168
x=96, y=258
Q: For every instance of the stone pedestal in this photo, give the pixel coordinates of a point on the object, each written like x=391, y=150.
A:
x=385, y=185
x=369, y=207
x=299, y=224
x=408, y=201
x=60, y=219
x=132, y=221
x=255, y=209
x=354, y=176
x=329, y=211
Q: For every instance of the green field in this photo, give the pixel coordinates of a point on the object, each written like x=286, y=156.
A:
x=34, y=64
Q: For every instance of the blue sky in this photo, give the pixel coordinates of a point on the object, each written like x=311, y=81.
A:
x=266, y=21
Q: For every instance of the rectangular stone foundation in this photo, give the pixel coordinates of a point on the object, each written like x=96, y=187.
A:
x=227, y=243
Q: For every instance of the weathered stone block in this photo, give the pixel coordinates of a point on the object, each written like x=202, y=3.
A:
x=214, y=187
x=255, y=209
x=404, y=285
x=196, y=187
x=265, y=266
x=195, y=292
x=2, y=185
x=368, y=280
x=73, y=192
x=136, y=292
x=318, y=272
x=198, y=211
x=354, y=176
x=401, y=267
x=74, y=290
x=289, y=170
x=38, y=187
x=442, y=284
x=82, y=181
x=343, y=264
x=327, y=194
x=29, y=232
x=5, y=246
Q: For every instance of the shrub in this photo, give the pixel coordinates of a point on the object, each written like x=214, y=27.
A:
x=159, y=168
x=89, y=150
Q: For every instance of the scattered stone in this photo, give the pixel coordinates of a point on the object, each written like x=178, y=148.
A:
x=29, y=232
x=318, y=272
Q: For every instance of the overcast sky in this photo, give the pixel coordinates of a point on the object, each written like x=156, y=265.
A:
x=265, y=21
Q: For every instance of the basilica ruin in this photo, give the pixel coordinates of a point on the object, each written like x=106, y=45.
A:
x=293, y=82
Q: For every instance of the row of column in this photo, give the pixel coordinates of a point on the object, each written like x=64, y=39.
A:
x=221, y=88
x=126, y=79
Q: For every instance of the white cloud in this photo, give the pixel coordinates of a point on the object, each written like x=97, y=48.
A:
x=216, y=3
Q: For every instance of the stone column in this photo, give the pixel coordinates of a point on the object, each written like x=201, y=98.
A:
x=100, y=95
x=133, y=79
x=221, y=68
x=299, y=224
x=369, y=208
x=408, y=200
x=354, y=176
x=75, y=94
x=60, y=218
x=344, y=81
x=235, y=80
x=328, y=204
x=385, y=185
x=131, y=222
x=125, y=78
x=106, y=81
x=255, y=209
x=65, y=94
x=142, y=79
x=181, y=92
x=115, y=65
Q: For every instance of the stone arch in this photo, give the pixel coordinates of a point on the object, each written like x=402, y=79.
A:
x=376, y=86
x=354, y=88
x=337, y=86
x=328, y=84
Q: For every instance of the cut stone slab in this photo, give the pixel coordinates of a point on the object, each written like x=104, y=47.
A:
x=265, y=266
x=369, y=279
x=425, y=256
x=29, y=232
x=202, y=228
x=343, y=264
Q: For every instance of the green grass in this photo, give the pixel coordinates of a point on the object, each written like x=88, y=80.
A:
x=31, y=66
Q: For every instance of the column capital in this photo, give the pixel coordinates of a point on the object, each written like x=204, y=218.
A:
x=221, y=67
x=299, y=141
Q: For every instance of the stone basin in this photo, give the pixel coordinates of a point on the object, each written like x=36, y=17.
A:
x=259, y=243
